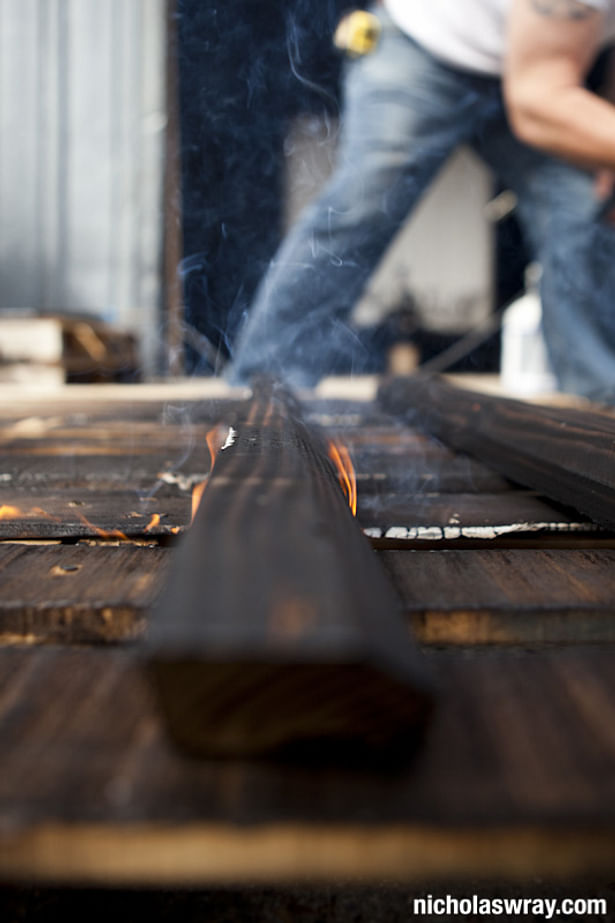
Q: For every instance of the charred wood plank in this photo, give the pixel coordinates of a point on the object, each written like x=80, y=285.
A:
x=566, y=454
x=90, y=594
x=88, y=405
x=70, y=513
x=377, y=472
x=142, y=472
x=77, y=593
x=516, y=780
x=506, y=596
x=278, y=630
x=437, y=516
x=48, y=511
x=104, y=469
x=400, y=458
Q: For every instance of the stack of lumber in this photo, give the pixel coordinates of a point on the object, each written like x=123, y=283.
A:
x=48, y=350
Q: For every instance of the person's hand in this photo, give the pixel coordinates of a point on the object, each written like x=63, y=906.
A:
x=604, y=191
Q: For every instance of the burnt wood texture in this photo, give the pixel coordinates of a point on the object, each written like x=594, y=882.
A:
x=278, y=630
x=506, y=596
x=566, y=454
x=94, y=593
x=77, y=593
x=515, y=775
x=516, y=779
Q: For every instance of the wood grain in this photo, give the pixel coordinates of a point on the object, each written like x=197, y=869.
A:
x=90, y=593
x=564, y=453
x=43, y=512
x=62, y=512
x=506, y=596
x=278, y=629
x=516, y=778
x=107, y=462
x=451, y=515
x=77, y=593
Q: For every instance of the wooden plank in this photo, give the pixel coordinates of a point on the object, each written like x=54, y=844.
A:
x=77, y=593
x=88, y=448
x=506, y=596
x=102, y=465
x=392, y=457
x=516, y=779
x=118, y=401
x=161, y=505
x=85, y=512
x=380, y=472
x=90, y=593
x=81, y=452
x=121, y=401
x=277, y=607
x=104, y=470
x=69, y=449
x=121, y=438
x=26, y=400
x=441, y=516
x=566, y=454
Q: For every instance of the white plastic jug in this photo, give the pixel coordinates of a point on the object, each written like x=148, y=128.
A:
x=524, y=366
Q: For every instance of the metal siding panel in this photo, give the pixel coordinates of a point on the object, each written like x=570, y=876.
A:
x=18, y=187
x=90, y=107
x=153, y=123
x=81, y=131
x=129, y=191
x=52, y=164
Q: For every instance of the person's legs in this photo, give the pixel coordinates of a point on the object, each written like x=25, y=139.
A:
x=558, y=213
x=404, y=113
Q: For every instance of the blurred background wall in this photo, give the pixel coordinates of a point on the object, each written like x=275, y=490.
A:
x=81, y=158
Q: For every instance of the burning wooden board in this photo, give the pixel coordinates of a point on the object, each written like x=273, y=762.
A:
x=278, y=631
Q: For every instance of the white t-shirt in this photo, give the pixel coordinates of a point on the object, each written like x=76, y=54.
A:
x=469, y=33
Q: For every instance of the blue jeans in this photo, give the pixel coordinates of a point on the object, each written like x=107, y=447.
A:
x=404, y=113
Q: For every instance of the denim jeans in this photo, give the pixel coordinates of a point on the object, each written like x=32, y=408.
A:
x=404, y=113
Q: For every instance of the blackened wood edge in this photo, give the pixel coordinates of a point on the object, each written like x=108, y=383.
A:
x=278, y=630
x=566, y=454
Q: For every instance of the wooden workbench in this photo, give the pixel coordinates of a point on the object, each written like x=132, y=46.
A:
x=510, y=596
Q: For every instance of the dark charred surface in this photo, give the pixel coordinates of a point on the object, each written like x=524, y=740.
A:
x=278, y=630
x=93, y=593
x=566, y=454
x=517, y=738
x=513, y=780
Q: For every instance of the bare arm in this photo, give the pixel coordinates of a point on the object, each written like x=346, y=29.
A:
x=551, y=45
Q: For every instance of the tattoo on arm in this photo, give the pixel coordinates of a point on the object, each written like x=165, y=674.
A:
x=563, y=9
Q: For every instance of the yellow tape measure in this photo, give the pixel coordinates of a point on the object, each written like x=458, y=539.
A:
x=357, y=33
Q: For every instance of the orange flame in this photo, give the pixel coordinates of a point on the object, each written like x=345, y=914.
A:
x=213, y=444
x=154, y=521
x=15, y=512
x=197, y=495
x=103, y=533
x=10, y=512
x=340, y=457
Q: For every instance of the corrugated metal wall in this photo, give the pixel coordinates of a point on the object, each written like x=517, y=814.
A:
x=81, y=144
